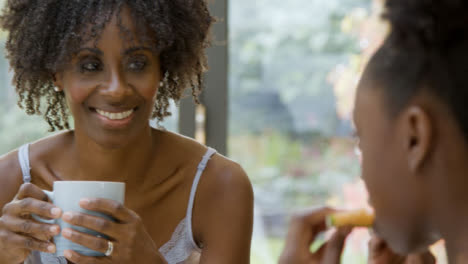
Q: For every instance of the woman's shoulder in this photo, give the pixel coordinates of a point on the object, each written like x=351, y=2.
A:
x=177, y=147
x=52, y=142
x=224, y=197
x=40, y=152
x=10, y=164
x=219, y=171
x=224, y=177
x=11, y=175
x=50, y=148
x=185, y=148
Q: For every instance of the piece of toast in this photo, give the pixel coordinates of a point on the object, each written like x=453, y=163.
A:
x=357, y=218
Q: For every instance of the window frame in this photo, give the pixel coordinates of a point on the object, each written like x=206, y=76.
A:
x=215, y=95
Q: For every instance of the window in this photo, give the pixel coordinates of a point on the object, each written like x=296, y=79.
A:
x=294, y=66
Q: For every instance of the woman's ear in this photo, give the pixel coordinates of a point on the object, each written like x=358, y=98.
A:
x=418, y=136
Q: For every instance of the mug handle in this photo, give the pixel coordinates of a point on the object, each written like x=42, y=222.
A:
x=51, y=221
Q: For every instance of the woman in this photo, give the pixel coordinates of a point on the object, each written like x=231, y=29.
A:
x=113, y=65
x=412, y=121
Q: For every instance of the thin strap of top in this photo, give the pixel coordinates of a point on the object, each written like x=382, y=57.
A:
x=201, y=167
x=23, y=156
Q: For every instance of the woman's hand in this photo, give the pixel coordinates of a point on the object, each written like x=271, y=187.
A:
x=131, y=242
x=380, y=253
x=303, y=232
x=19, y=233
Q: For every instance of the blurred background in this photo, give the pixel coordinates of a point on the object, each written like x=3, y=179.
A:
x=278, y=100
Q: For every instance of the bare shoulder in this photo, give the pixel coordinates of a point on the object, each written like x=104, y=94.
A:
x=224, y=209
x=48, y=147
x=220, y=173
x=224, y=178
x=10, y=176
x=177, y=151
x=178, y=145
x=225, y=175
x=224, y=199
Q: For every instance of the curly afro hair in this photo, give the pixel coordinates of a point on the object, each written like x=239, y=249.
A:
x=426, y=51
x=44, y=34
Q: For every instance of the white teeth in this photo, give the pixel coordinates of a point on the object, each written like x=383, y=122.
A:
x=115, y=116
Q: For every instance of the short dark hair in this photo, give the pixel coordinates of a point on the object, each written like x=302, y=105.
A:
x=426, y=50
x=44, y=34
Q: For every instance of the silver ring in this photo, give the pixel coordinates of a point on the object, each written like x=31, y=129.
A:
x=110, y=248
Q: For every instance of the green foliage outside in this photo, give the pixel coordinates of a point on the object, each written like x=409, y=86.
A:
x=284, y=126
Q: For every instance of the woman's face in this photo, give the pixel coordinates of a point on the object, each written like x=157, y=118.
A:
x=395, y=191
x=111, y=87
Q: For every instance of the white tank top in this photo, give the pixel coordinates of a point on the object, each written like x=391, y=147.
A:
x=180, y=249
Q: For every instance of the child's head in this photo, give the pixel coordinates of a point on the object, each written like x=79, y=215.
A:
x=45, y=36
x=412, y=119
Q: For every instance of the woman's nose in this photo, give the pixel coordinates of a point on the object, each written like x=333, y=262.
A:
x=116, y=86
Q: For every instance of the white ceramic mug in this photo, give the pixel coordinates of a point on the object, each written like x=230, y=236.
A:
x=67, y=195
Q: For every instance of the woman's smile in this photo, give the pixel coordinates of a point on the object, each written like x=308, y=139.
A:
x=114, y=118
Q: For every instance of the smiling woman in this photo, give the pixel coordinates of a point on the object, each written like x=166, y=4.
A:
x=57, y=30
x=111, y=84
x=113, y=65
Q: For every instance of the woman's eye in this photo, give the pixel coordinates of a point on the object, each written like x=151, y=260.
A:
x=90, y=66
x=137, y=65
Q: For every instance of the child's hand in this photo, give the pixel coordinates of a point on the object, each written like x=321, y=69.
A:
x=380, y=253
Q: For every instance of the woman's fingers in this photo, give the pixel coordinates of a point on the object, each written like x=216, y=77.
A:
x=16, y=215
x=29, y=243
x=37, y=230
x=31, y=200
x=32, y=206
x=32, y=191
x=78, y=258
x=99, y=224
x=109, y=207
x=92, y=242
